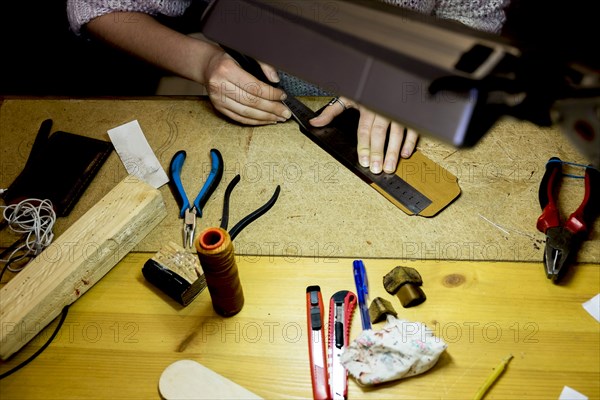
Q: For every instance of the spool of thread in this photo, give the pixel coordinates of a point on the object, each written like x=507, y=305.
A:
x=217, y=258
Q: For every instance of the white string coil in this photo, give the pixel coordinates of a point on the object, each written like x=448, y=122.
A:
x=34, y=218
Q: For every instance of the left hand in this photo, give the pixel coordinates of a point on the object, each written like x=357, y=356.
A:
x=371, y=134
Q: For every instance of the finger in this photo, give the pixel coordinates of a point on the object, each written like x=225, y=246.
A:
x=392, y=152
x=246, y=115
x=378, y=135
x=363, y=136
x=256, y=103
x=410, y=142
x=255, y=111
x=230, y=86
x=332, y=110
x=231, y=71
x=326, y=116
x=251, y=85
x=270, y=72
x=245, y=120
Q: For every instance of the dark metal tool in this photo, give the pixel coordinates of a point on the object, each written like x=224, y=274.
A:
x=340, y=141
x=563, y=239
x=237, y=228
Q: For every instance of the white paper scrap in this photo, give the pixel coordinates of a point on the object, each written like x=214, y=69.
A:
x=593, y=307
x=571, y=394
x=137, y=155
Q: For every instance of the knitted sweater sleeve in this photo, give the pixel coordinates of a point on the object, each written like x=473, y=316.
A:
x=483, y=15
x=80, y=12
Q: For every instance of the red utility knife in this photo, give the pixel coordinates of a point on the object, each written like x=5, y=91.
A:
x=316, y=343
x=341, y=306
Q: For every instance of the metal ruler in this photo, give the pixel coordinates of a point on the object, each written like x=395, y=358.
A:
x=339, y=140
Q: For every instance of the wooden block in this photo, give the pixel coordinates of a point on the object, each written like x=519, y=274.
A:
x=75, y=261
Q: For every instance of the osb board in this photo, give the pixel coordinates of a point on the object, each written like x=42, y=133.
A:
x=323, y=209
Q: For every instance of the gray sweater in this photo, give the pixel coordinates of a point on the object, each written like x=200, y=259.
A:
x=485, y=15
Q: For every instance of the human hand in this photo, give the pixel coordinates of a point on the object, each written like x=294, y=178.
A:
x=241, y=96
x=371, y=134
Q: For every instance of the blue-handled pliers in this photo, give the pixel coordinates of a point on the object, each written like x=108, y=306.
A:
x=189, y=211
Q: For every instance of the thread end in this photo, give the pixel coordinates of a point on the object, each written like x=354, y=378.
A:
x=210, y=239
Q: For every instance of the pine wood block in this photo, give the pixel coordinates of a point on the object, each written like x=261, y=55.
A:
x=76, y=260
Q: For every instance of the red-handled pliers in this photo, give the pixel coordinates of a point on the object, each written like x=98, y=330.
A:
x=563, y=240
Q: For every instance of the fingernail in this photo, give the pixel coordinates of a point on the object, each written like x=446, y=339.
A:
x=364, y=161
x=274, y=77
x=389, y=167
x=287, y=114
x=376, y=167
x=405, y=154
x=283, y=97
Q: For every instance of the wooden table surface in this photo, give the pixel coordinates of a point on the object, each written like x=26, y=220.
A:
x=119, y=337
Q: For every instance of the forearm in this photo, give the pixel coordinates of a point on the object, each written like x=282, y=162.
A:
x=142, y=36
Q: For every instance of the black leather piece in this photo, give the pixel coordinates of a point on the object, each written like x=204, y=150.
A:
x=60, y=167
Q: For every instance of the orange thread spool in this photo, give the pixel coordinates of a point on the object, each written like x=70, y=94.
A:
x=217, y=258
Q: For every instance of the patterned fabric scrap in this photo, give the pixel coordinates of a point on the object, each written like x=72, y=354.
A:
x=399, y=350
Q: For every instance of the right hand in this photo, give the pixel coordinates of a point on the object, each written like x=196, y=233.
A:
x=371, y=134
x=242, y=97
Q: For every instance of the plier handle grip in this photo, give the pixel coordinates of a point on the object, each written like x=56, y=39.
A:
x=564, y=238
x=189, y=211
x=237, y=228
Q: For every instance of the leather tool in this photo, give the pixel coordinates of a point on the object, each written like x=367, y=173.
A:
x=341, y=307
x=316, y=343
x=563, y=239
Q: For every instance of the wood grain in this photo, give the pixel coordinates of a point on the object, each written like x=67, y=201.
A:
x=78, y=259
x=123, y=333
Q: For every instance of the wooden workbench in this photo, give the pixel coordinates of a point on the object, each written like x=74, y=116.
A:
x=120, y=336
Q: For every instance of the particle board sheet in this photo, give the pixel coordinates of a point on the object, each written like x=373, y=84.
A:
x=323, y=210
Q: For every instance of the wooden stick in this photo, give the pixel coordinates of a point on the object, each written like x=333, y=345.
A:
x=78, y=259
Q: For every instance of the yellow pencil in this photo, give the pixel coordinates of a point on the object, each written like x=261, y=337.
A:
x=492, y=378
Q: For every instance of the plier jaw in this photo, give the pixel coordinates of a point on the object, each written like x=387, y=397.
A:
x=189, y=227
x=559, y=243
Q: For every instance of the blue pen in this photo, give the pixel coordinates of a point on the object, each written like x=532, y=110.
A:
x=362, y=290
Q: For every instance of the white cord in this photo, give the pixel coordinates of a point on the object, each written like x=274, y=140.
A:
x=35, y=218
